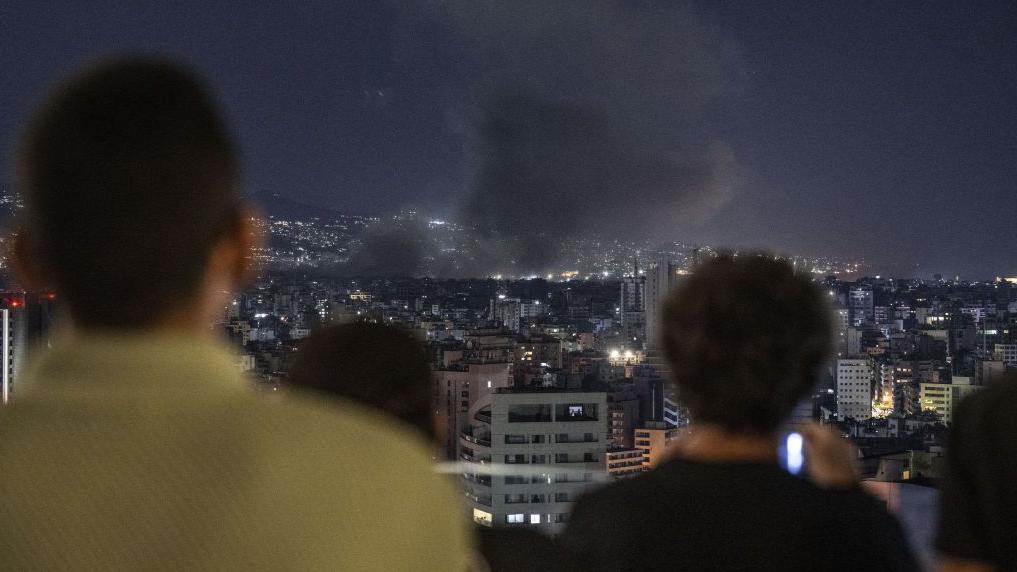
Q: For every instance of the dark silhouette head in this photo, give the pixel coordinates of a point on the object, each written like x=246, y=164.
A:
x=745, y=338
x=130, y=179
x=372, y=364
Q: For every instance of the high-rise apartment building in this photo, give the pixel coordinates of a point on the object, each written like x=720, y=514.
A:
x=548, y=446
x=861, y=305
x=25, y=322
x=661, y=278
x=1006, y=353
x=632, y=305
x=855, y=377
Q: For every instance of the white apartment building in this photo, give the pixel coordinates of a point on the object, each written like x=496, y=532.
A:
x=535, y=452
x=854, y=388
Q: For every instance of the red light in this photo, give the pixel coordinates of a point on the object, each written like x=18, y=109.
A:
x=51, y=296
x=15, y=303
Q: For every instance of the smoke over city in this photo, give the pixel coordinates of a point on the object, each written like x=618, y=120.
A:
x=584, y=119
x=549, y=171
x=594, y=120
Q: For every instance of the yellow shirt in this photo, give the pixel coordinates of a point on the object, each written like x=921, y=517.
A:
x=151, y=452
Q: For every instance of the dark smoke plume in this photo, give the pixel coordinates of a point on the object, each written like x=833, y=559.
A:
x=553, y=170
x=592, y=120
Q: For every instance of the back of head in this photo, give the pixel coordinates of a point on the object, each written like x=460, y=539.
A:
x=372, y=364
x=129, y=176
x=745, y=338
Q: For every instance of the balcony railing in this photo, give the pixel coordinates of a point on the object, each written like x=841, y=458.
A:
x=485, y=501
x=477, y=440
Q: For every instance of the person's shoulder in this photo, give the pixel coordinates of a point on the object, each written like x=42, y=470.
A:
x=326, y=423
x=1001, y=394
x=626, y=495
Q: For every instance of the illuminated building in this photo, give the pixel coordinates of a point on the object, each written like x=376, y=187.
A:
x=623, y=463
x=533, y=452
x=937, y=397
x=652, y=440
x=539, y=350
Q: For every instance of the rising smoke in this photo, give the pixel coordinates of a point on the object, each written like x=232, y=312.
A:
x=593, y=118
x=586, y=118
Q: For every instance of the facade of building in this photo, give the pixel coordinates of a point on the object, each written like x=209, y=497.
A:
x=549, y=447
x=854, y=388
x=459, y=386
x=632, y=305
x=25, y=323
x=662, y=277
x=938, y=398
x=507, y=311
x=861, y=305
x=652, y=440
x=1007, y=353
x=622, y=463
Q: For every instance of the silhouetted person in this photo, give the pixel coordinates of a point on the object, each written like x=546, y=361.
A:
x=978, y=506
x=386, y=369
x=134, y=443
x=371, y=364
x=744, y=338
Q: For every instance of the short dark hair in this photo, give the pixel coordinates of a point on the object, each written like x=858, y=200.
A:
x=129, y=176
x=745, y=337
x=373, y=364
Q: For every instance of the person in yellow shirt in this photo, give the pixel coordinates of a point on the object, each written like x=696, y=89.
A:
x=134, y=442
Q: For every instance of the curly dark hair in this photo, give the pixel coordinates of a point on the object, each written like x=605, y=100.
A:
x=745, y=337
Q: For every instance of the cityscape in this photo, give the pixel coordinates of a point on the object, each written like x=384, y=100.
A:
x=484, y=285
x=553, y=384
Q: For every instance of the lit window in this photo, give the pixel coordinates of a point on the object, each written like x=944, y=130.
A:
x=534, y=519
x=514, y=518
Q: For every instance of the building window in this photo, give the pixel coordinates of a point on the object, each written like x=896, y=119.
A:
x=575, y=412
x=515, y=499
x=514, y=518
x=534, y=519
x=529, y=413
x=515, y=459
x=515, y=439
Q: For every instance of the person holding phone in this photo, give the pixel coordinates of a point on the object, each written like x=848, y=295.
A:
x=744, y=338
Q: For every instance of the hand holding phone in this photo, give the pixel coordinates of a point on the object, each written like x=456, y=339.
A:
x=833, y=460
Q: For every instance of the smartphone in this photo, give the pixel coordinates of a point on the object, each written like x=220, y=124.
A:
x=791, y=452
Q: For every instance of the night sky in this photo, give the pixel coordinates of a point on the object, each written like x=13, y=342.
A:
x=884, y=130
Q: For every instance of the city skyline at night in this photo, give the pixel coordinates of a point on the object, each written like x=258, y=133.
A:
x=876, y=132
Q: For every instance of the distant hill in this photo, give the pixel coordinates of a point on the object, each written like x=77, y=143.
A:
x=274, y=204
